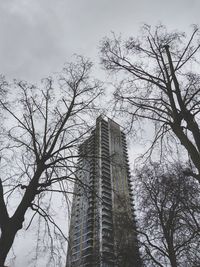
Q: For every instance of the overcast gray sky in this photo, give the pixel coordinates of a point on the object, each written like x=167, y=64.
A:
x=38, y=36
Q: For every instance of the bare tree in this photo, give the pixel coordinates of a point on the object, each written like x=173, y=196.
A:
x=3, y=93
x=44, y=127
x=159, y=82
x=169, y=216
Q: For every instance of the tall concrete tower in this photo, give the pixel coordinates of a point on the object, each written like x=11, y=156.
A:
x=102, y=228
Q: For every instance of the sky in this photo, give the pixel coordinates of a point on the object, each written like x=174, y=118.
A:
x=39, y=36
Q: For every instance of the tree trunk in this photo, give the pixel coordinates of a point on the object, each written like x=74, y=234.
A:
x=6, y=241
x=14, y=224
x=192, y=151
x=171, y=251
x=172, y=257
x=168, y=235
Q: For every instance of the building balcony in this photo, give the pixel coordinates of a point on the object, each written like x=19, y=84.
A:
x=90, y=150
x=123, y=143
x=131, y=201
x=88, y=258
x=107, y=194
x=104, y=158
x=131, y=193
x=90, y=227
x=106, y=178
x=107, y=228
x=130, y=184
x=90, y=234
x=104, y=123
x=132, y=209
x=105, y=189
x=107, y=202
x=106, y=163
x=106, y=199
x=106, y=175
x=125, y=154
x=89, y=242
x=104, y=154
x=107, y=216
x=123, y=135
x=106, y=182
x=129, y=177
x=104, y=126
x=107, y=211
x=106, y=186
x=104, y=134
x=124, y=147
x=105, y=146
x=128, y=173
x=87, y=251
x=126, y=161
x=105, y=169
x=107, y=221
x=91, y=141
x=105, y=141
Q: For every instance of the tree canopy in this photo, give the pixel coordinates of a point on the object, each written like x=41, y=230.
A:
x=168, y=225
x=43, y=127
x=158, y=81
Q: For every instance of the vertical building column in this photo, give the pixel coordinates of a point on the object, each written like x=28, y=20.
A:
x=102, y=229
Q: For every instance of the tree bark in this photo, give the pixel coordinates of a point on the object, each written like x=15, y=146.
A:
x=14, y=224
x=172, y=256
x=6, y=241
x=193, y=152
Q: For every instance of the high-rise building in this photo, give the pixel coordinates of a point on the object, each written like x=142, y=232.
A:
x=103, y=228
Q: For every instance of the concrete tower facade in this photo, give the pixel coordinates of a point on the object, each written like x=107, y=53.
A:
x=102, y=228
